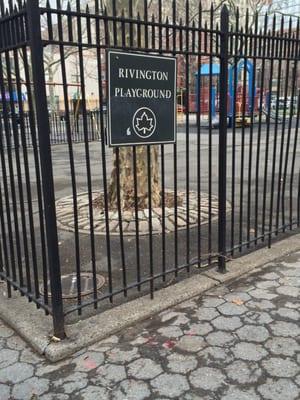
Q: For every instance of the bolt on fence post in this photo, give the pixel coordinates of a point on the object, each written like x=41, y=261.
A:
x=42, y=117
x=223, y=137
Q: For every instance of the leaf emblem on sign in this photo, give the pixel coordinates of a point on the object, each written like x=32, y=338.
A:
x=144, y=123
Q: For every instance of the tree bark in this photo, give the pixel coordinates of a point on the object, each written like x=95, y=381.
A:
x=126, y=179
x=52, y=99
x=126, y=172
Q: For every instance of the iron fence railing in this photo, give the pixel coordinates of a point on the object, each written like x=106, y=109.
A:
x=58, y=128
x=226, y=186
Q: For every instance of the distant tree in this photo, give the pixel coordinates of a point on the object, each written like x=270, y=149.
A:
x=52, y=59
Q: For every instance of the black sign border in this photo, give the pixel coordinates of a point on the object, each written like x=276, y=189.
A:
x=114, y=51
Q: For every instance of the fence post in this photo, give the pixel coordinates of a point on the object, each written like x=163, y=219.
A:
x=42, y=117
x=223, y=138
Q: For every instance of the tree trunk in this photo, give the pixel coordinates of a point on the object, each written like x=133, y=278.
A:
x=126, y=179
x=52, y=98
x=51, y=72
x=126, y=172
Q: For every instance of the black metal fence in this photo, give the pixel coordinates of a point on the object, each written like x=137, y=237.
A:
x=222, y=191
x=58, y=127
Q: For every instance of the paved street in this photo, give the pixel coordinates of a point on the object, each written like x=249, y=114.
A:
x=238, y=342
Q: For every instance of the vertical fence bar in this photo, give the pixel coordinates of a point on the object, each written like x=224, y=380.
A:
x=271, y=55
x=286, y=66
x=291, y=54
x=210, y=132
x=162, y=151
x=292, y=175
x=253, y=53
x=14, y=163
x=187, y=134
x=244, y=49
x=263, y=49
x=289, y=141
x=198, y=116
x=34, y=28
x=86, y=150
x=298, y=201
x=8, y=180
x=26, y=168
x=150, y=225
x=174, y=45
x=14, y=258
x=223, y=138
x=31, y=126
x=69, y=140
x=280, y=54
x=6, y=258
x=103, y=151
x=134, y=158
x=233, y=123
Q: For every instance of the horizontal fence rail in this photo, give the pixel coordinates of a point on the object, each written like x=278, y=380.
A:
x=83, y=225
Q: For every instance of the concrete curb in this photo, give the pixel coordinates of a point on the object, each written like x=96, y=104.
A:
x=31, y=324
x=35, y=328
x=250, y=262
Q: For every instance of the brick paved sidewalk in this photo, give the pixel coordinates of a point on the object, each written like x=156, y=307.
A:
x=240, y=342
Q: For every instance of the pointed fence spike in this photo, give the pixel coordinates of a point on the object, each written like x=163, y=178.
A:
x=11, y=6
x=114, y=8
x=282, y=24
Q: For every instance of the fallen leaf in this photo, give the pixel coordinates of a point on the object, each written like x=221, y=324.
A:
x=89, y=363
x=239, y=302
x=190, y=333
x=169, y=344
x=151, y=340
x=54, y=339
